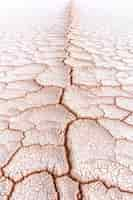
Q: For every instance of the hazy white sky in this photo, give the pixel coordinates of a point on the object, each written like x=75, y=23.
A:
x=30, y=7
x=42, y=7
x=114, y=7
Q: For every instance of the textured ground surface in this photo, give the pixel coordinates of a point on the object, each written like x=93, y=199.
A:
x=66, y=110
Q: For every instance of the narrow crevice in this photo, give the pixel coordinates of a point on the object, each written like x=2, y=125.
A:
x=80, y=195
x=9, y=196
x=66, y=146
x=61, y=96
x=70, y=28
x=56, y=188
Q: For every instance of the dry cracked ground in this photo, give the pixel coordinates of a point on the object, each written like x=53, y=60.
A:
x=66, y=110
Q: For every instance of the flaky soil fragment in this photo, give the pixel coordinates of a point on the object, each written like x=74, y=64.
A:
x=94, y=156
x=36, y=158
x=37, y=186
x=67, y=188
x=98, y=191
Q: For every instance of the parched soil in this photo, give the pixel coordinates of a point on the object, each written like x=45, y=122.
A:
x=66, y=111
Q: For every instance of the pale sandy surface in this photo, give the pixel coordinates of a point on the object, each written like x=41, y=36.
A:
x=66, y=106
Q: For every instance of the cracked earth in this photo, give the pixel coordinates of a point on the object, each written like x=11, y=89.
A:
x=66, y=111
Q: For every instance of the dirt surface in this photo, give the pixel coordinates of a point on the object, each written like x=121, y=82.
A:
x=66, y=111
